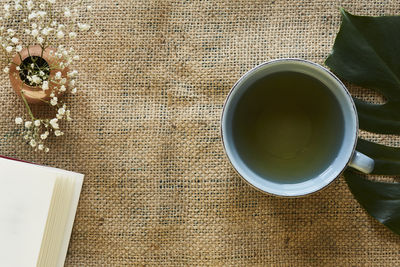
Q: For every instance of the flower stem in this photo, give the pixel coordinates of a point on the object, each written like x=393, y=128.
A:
x=27, y=106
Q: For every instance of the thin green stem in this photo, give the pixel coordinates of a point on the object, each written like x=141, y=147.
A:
x=27, y=106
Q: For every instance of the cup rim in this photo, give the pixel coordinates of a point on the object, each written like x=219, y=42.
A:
x=244, y=76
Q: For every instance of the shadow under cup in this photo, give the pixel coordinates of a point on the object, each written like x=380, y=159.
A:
x=289, y=127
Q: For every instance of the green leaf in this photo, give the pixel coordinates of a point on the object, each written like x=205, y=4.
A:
x=387, y=159
x=380, y=200
x=366, y=53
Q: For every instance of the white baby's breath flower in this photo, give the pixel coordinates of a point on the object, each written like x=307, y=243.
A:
x=18, y=7
x=14, y=40
x=10, y=32
x=83, y=27
x=34, y=25
x=54, y=23
x=6, y=7
x=28, y=124
x=67, y=12
x=71, y=83
x=37, y=123
x=52, y=93
x=36, y=79
x=18, y=68
x=73, y=91
x=76, y=57
x=54, y=123
x=18, y=48
x=45, y=31
x=29, y=5
x=6, y=70
x=42, y=6
x=58, y=75
x=46, y=149
x=40, y=40
x=27, y=31
x=63, y=80
x=9, y=49
x=62, y=88
x=41, y=14
x=40, y=146
x=58, y=133
x=18, y=120
x=54, y=101
x=60, y=34
x=45, y=85
x=33, y=143
x=61, y=27
x=43, y=136
x=32, y=15
x=52, y=1
x=34, y=32
x=7, y=15
x=89, y=8
x=72, y=74
x=72, y=35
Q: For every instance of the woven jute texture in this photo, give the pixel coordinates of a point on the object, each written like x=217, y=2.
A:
x=159, y=190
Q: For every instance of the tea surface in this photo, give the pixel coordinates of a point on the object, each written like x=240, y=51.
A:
x=288, y=127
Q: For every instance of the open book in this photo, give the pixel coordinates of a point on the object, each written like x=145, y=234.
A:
x=37, y=211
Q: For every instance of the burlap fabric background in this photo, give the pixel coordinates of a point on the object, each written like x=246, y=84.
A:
x=159, y=189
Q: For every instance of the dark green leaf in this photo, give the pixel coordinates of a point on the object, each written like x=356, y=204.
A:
x=387, y=159
x=367, y=53
x=380, y=200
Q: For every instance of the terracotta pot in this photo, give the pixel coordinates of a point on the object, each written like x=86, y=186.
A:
x=34, y=94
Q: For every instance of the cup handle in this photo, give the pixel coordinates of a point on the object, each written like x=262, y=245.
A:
x=362, y=162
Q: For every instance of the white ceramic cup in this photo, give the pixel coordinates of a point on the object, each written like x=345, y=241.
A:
x=346, y=155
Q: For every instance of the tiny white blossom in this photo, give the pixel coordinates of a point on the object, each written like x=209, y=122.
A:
x=11, y=32
x=18, y=7
x=60, y=34
x=35, y=32
x=7, y=15
x=41, y=14
x=27, y=31
x=52, y=93
x=18, y=48
x=18, y=120
x=54, y=124
x=29, y=5
x=37, y=123
x=63, y=81
x=45, y=31
x=67, y=13
x=6, y=70
x=46, y=149
x=71, y=83
x=73, y=91
x=72, y=35
x=32, y=15
x=34, y=25
x=52, y=1
x=72, y=74
x=45, y=85
x=89, y=8
x=15, y=40
x=76, y=57
x=43, y=136
x=9, y=49
x=62, y=88
x=36, y=79
x=18, y=68
x=58, y=75
x=28, y=124
x=58, y=133
x=40, y=146
x=54, y=101
x=40, y=40
x=61, y=27
x=83, y=26
x=42, y=6
x=6, y=7
x=54, y=23
x=33, y=143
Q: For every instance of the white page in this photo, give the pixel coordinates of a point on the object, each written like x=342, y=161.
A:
x=25, y=196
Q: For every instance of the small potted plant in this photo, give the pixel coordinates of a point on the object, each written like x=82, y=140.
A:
x=38, y=62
